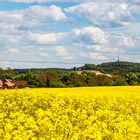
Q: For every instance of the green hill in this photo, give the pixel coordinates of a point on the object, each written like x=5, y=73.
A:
x=113, y=67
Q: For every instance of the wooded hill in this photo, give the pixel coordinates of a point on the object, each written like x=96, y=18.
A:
x=113, y=67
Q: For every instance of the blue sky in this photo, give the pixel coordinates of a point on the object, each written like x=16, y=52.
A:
x=83, y=31
x=18, y=5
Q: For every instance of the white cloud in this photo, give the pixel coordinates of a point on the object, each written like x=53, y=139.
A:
x=89, y=35
x=46, y=38
x=13, y=50
x=43, y=54
x=10, y=19
x=122, y=40
x=8, y=27
x=85, y=35
x=135, y=9
x=87, y=43
x=60, y=50
x=63, y=53
x=97, y=56
x=7, y=17
x=31, y=17
x=126, y=41
x=9, y=40
x=103, y=14
x=44, y=13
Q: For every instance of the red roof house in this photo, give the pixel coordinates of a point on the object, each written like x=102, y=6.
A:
x=8, y=83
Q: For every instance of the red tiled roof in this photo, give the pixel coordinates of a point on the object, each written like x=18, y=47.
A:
x=9, y=83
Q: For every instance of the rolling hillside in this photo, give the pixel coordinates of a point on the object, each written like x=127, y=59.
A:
x=113, y=67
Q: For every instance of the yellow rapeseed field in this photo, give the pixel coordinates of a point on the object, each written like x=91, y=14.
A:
x=98, y=113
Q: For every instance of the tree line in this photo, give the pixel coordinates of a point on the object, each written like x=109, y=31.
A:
x=61, y=78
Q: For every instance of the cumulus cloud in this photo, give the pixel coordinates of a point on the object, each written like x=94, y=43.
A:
x=46, y=38
x=135, y=9
x=126, y=41
x=31, y=17
x=103, y=14
x=13, y=50
x=89, y=35
x=123, y=40
x=7, y=17
x=51, y=13
x=60, y=50
x=85, y=35
x=87, y=42
x=10, y=20
x=97, y=56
